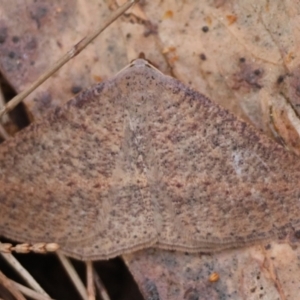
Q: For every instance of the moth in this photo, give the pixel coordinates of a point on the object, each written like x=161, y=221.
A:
x=140, y=161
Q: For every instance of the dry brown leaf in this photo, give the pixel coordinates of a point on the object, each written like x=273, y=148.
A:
x=223, y=62
x=251, y=273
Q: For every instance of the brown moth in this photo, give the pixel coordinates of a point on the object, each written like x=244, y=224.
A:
x=142, y=160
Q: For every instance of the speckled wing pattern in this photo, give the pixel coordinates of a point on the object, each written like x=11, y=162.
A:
x=141, y=160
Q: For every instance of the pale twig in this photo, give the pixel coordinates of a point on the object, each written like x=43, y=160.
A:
x=69, y=55
x=90, y=281
x=10, y=287
x=23, y=273
x=3, y=132
x=4, y=119
x=73, y=275
x=100, y=286
x=29, y=292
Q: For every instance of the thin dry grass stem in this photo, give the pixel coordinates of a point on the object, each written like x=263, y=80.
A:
x=4, y=119
x=29, y=292
x=23, y=273
x=100, y=286
x=9, y=285
x=3, y=132
x=63, y=60
x=41, y=248
x=73, y=275
x=90, y=280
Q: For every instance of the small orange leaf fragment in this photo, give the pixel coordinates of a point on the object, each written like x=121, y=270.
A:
x=214, y=277
x=231, y=19
x=167, y=50
x=168, y=14
x=97, y=78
